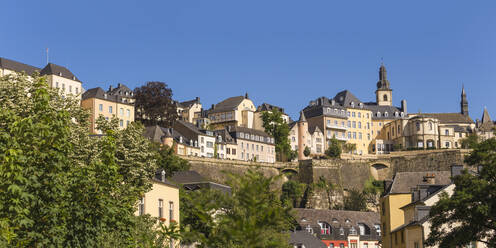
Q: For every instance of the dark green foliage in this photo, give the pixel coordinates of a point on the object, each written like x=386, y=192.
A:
x=275, y=126
x=471, y=141
x=252, y=216
x=169, y=161
x=355, y=201
x=292, y=193
x=372, y=191
x=471, y=211
x=334, y=149
x=154, y=105
x=306, y=152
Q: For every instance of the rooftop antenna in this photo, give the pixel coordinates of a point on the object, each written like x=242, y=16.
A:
x=47, y=55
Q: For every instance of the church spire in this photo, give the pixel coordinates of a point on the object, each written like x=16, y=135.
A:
x=464, y=102
x=383, y=83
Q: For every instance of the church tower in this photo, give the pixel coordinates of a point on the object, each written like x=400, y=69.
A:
x=384, y=94
x=302, y=130
x=464, y=103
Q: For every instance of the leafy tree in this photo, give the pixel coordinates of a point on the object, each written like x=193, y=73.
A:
x=252, y=216
x=169, y=161
x=349, y=147
x=279, y=129
x=471, y=141
x=334, y=149
x=470, y=213
x=154, y=104
x=355, y=201
x=292, y=193
x=60, y=187
x=306, y=152
x=372, y=191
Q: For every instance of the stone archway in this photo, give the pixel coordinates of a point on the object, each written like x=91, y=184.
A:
x=290, y=173
x=379, y=170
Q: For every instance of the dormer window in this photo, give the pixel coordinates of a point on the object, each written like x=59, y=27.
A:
x=378, y=114
x=352, y=104
x=402, y=114
x=341, y=231
x=105, y=95
x=353, y=231
x=328, y=110
x=386, y=114
x=347, y=221
x=309, y=229
x=325, y=228
x=60, y=74
x=396, y=114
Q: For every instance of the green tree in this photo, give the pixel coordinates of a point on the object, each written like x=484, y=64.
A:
x=471, y=141
x=275, y=126
x=372, y=190
x=169, y=161
x=154, y=104
x=470, y=212
x=307, y=151
x=334, y=149
x=59, y=187
x=349, y=147
x=252, y=216
x=292, y=193
x=329, y=189
x=355, y=201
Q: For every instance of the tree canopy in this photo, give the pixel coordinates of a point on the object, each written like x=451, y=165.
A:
x=60, y=186
x=470, y=213
x=275, y=125
x=251, y=216
x=154, y=104
x=334, y=149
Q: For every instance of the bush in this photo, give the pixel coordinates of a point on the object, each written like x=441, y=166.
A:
x=334, y=150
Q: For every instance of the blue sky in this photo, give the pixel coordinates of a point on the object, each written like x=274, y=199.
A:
x=281, y=52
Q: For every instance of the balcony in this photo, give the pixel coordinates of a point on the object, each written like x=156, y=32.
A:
x=338, y=138
x=332, y=126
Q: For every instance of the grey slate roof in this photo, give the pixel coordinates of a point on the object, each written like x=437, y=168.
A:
x=486, y=124
x=403, y=182
x=17, y=66
x=339, y=219
x=345, y=98
x=227, y=105
x=320, y=107
x=226, y=136
x=268, y=107
x=235, y=130
x=120, y=90
x=187, y=104
x=450, y=118
x=306, y=239
x=53, y=69
x=99, y=93
x=391, y=110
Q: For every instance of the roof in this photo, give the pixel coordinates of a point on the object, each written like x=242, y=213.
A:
x=53, y=69
x=339, y=219
x=306, y=239
x=391, y=110
x=345, y=98
x=237, y=129
x=228, y=104
x=120, y=90
x=187, y=104
x=450, y=118
x=403, y=182
x=302, y=117
x=486, y=123
x=192, y=180
x=269, y=107
x=155, y=133
x=226, y=137
x=314, y=128
x=460, y=129
x=99, y=93
x=17, y=66
x=324, y=106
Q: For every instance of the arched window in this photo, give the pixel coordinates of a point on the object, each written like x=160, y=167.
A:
x=341, y=231
x=386, y=114
x=402, y=114
x=325, y=228
x=352, y=104
x=446, y=132
x=353, y=231
x=417, y=124
x=385, y=97
x=430, y=126
x=378, y=114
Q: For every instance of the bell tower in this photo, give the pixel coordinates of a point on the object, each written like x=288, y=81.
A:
x=383, y=94
x=464, y=103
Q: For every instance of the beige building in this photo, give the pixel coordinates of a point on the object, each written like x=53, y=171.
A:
x=265, y=107
x=189, y=111
x=204, y=139
x=253, y=145
x=301, y=135
x=171, y=138
x=234, y=111
x=485, y=127
x=57, y=76
x=100, y=103
x=226, y=145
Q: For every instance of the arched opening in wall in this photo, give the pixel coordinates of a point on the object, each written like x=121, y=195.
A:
x=385, y=97
x=290, y=174
x=379, y=171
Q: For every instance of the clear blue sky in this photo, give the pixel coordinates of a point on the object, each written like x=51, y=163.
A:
x=281, y=52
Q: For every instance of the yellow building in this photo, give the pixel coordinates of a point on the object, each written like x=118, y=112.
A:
x=233, y=111
x=189, y=110
x=100, y=103
x=397, y=194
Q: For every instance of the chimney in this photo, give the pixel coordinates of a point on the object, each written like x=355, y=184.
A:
x=110, y=88
x=403, y=106
x=197, y=99
x=456, y=170
x=430, y=178
x=246, y=95
x=118, y=85
x=213, y=106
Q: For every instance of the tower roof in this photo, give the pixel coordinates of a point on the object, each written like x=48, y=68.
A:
x=302, y=117
x=485, y=116
x=383, y=83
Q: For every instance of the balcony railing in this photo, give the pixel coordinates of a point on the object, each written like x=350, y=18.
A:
x=336, y=126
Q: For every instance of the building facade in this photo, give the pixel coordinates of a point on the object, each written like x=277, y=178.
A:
x=101, y=103
x=253, y=145
x=204, y=139
x=190, y=110
x=233, y=111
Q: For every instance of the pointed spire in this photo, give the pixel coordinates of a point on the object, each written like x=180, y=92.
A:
x=464, y=102
x=463, y=90
x=302, y=117
x=383, y=82
x=246, y=95
x=485, y=116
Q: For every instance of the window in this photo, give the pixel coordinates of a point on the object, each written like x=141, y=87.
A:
x=171, y=210
x=386, y=114
x=121, y=111
x=309, y=229
x=325, y=228
x=368, y=125
x=385, y=97
x=416, y=245
x=127, y=123
x=63, y=86
x=364, y=230
x=141, y=206
x=366, y=245
x=447, y=144
x=202, y=140
x=430, y=126
x=210, y=144
x=348, y=113
x=354, y=135
x=354, y=124
x=352, y=114
x=234, y=151
x=100, y=107
x=121, y=123
x=378, y=114
x=56, y=84
x=160, y=208
x=341, y=245
x=359, y=124
x=70, y=88
x=446, y=132
x=110, y=109
x=417, y=125
x=349, y=123
x=349, y=135
x=341, y=231
x=359, y=135
x=128, y=113
x=378, y=229
x=353, y=231
x=359, y=115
